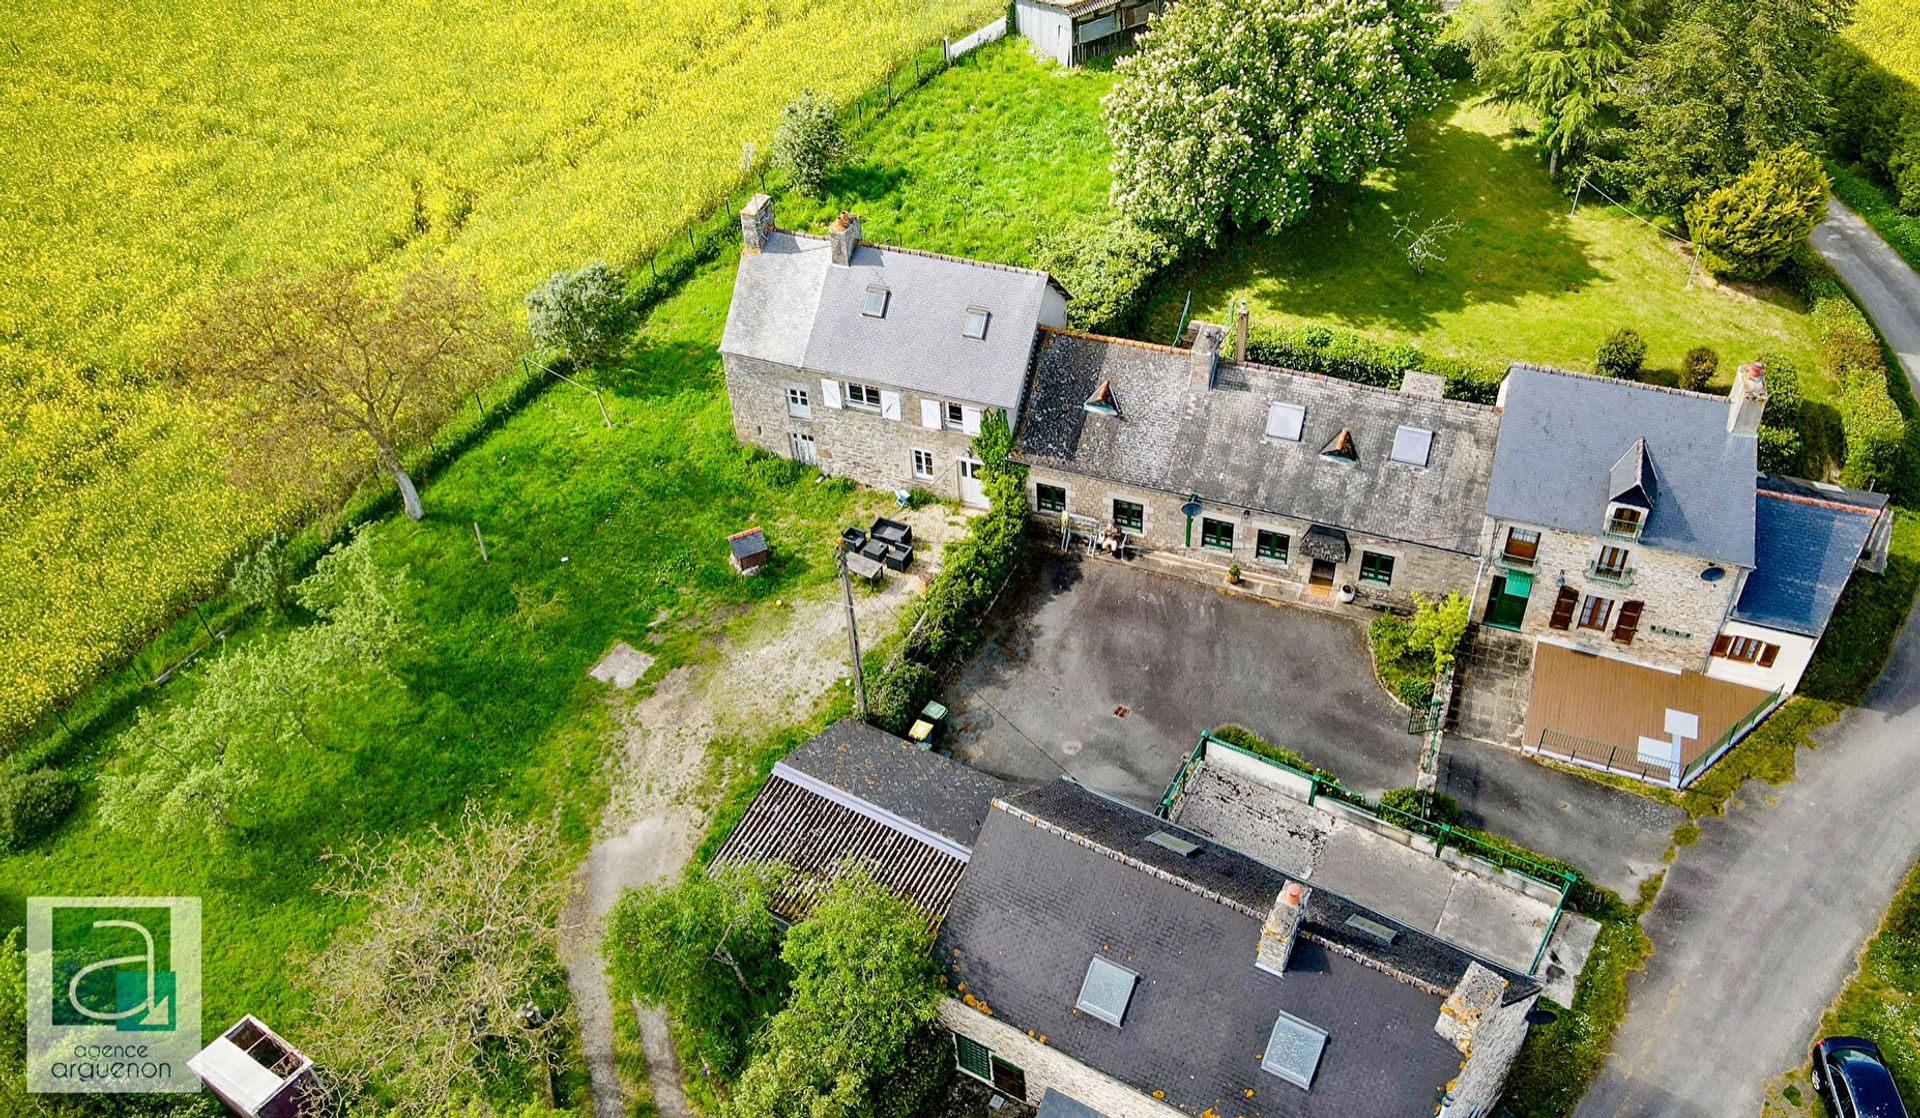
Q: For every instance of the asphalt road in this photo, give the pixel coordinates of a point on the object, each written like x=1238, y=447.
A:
x=1759, y=922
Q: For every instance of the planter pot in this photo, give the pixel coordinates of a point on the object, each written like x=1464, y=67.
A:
x=1344, y=594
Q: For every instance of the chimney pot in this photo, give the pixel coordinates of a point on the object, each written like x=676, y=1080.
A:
x=844, y=237
x=756, y=223
x=1282, y=929
x=1204, y=357
x=1748, y=400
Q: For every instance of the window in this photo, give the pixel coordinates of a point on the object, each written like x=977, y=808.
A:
x=1412, y=446
x=1594, y=611
x=1270, y=545
x=1129, y=515
x=1050, y=498
x=1625, y=520
x=876, y=304
x=797, y=405
x=975, y=325
x=1106, y=990
x=923, y=463
x=1285, y=421
x=1746, y=650
x=1523, y=546
x=1293, y=1050
x=1612, y=562
x=863, y=396
x=1167, y=840
x=1216, y=533
x=1627, y=621
x=956, y=416
x=1375, y=567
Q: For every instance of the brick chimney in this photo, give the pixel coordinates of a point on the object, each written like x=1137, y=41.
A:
x=1282, y=929
x=1747, y=400
x=1204, y=357
x=844, y=237
x=756, y=222
x=1240, y=332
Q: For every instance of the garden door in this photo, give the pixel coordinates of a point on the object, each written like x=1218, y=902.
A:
x=972, y=490
x=803, y=449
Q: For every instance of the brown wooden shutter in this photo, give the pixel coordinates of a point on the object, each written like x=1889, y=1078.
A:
x=1721, y=644
x=1563, y=608
x=1767, y=653
x=1628, y=621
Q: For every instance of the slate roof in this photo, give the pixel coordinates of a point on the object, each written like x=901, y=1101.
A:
x=1562, y=434
x=1061, y=874
x=937, y=793
x=1053, y=1104
x=793, y=307
x=1177, y=438
x=749, y=543
x=1807, y=540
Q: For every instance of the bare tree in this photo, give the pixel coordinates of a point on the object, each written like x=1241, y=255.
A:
x=451, y=978
x=308, y=367
x=1425, y=245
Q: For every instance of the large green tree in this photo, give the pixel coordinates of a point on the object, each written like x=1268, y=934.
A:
x=1232, y=111
x=1559, y=60
x=1750, y=226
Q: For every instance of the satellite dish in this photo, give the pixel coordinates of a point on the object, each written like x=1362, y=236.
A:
x=1191, y=508
x=1713, y=574
x=1541, y=1017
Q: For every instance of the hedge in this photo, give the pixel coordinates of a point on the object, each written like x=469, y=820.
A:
x=1877, y=448
x=33, y=803
x=1364, y=360
x=1875, y=119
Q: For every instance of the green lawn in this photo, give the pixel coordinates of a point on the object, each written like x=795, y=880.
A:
x=1524, y=280
x=1882, y=999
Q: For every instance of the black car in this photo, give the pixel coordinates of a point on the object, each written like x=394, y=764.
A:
x=1853, y=1080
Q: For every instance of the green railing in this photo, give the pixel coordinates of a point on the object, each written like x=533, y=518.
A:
x=1712, y=753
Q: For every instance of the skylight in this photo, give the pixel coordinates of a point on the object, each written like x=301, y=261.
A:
x=1285, y=421
x=1107, y=990
x=876, y=305
x=1412, y=446
x=1372, y=929
x=1293, y=1050
x=976, y=323
x=1167, y=840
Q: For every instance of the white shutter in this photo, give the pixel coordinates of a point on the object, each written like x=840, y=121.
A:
x=930, y=414
x=889, y=405
x=830, y=392
x=970, y=420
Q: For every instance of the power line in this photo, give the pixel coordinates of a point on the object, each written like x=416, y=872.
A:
x=997, y=713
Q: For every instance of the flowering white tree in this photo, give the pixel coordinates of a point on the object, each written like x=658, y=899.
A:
x=1232, y=110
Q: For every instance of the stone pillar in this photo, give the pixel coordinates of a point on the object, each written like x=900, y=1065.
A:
x=1282, y=929
x=1240, y=332
x=1479, y=993
x=1205, y=355
x=756, y=222
x=1747, y=400
x=844, y=237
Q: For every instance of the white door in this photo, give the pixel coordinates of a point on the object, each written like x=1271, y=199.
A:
x=972, y=490
x=803, y=448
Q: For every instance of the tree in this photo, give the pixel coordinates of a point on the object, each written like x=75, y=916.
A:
x=1560, y=61
x=451, y=979
x=1437, y=627
x=864, y=987
x=306, y=368
x=808, y=143
x=1235, y=111
x=264, y=577
x=1426, y=245
x=1749, y=227
x=1697, y=368
x=706, y=948
x=205, y=765
x=578, y=313
x=1621, y=355
x=1726, y=81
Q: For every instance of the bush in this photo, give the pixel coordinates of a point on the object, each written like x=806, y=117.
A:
x=1621, y=355
x=809, y=143
x=33, y=804
x=1354, y=357
x=1697, y=368
x=1780, y=438
x=897, y=694
x=1413, y=690
x=1748, y=228
x=264, y=577
x=1441, y=808
x=1875, y=431
x=1107, y=265
x=1255, y=744
x=578, y=313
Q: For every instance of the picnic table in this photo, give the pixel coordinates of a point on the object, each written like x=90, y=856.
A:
x=858, y=564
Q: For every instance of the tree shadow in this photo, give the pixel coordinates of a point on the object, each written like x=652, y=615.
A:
x=651, y=368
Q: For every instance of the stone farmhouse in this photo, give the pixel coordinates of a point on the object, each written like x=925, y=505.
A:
x=1104, y=962
x=1643, y=595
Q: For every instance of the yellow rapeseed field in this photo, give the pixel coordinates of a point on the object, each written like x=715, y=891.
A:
x=1887, y=30
x=153, y=152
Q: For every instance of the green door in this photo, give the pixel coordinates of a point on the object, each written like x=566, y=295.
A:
x=1507, y=603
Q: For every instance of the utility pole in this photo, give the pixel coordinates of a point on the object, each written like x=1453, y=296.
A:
x=853, y=637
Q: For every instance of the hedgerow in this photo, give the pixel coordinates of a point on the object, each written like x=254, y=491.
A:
x=1877, y=445
x=1355, y=357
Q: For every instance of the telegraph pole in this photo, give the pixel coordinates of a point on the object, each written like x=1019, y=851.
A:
x=853, y=636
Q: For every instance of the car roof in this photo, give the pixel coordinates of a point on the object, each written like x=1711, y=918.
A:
x=1870, y=1085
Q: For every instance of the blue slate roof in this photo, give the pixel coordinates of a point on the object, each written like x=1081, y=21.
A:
x=1807, y=541
x=1562, y=435
x=1056, y=1105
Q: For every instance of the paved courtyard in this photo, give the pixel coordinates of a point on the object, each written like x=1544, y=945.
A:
x=1085, y=640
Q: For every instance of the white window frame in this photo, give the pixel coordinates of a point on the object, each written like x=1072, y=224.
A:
x=918, y=455
x=953, y=416
x=799, y=404
x=855, y=394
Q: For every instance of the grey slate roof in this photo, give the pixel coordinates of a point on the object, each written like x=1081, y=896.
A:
x=1807, y=540
x=1562, y=434
x=1179, y=439
x=944, y=796
x=1040, y=900
x=1053, y=1104
x=792, y=306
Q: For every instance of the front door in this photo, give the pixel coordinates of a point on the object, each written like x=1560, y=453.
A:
x=803, y=448
x=1507, y=600
x=973, y=491
x=1322, y=574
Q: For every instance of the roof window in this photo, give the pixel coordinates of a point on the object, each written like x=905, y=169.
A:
x=1285, y=421
x=1412, y=446
x=1293, y=1050
x=975, y=325
x=1107, y=990
x=1167, y=840
x=876, y=304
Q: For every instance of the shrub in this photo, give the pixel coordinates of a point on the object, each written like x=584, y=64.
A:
x=1876, y=432
x=1253, y=743
x=1871, y=424
x=578, y=313
x=1354, y=357
x=263, y=578
x=809, y=143
x=1441, y=808
x=1437, y=627
x=1780, y=438
x=1413, y=690
x=1622, y=354
x=1697, y=368
x=1106, y=264
x=897, y=694
x=33, y=804
x=1749, y=227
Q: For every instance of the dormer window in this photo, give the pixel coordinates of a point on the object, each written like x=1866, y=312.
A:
x=876, y=304
x=1340, y=448
x=1625, y=520
x=975, y=324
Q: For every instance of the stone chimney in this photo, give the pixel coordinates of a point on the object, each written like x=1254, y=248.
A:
x=1748, y=399
x=756, y=222
x=1240, y=332
x=1204, y=357
x=844, y=236
x=1431, y=386
x=1479, y=993
x=1282, y=929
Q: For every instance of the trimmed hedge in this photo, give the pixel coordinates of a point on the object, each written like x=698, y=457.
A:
x=1877, y=446
x=1364, y=360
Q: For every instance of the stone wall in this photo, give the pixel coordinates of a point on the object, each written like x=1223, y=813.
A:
x=1046, y=1067
x=1428, y=570
x=1488, y=1034
x=1682, y=612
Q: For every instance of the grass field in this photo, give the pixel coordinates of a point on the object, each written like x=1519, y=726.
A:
x=153, y=154
x=1523, y=279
